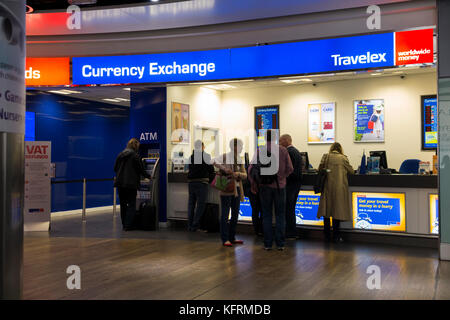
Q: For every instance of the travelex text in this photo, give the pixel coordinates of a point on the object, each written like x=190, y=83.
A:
x=347, y=53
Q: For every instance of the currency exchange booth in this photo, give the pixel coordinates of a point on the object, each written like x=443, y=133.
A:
x=373, y=93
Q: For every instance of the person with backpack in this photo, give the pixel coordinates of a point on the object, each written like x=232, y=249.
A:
x=230, y=164
x=129, y=169
x=200, y=172
x=268, y=172
x=293, y=185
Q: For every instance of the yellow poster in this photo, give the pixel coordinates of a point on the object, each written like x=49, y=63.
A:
x=180, y=123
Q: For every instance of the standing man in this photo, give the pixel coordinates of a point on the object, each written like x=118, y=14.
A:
x=129, y=169
x=269, y=178
x=293, y=185
x=200, y=172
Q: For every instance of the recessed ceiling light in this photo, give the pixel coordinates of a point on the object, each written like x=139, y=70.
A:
x=122, y=99
x=110, y=100
x=375, y=74
x=64, y=91
x=128, y=89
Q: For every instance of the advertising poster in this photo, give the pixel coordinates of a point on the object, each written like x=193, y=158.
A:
x=12, y=67
x=245, y=211
x=321, y=123
x=37, y=186
x=434, y=214
x=180, y=123
x=379, y=211
x=429, y=122
x=306, y=209
x=266, y=118
x=369, y=120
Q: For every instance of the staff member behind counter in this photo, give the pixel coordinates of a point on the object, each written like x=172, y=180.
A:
x=129, y=169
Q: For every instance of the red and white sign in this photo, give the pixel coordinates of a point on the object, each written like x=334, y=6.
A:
x=412, y=47
x=37, y=205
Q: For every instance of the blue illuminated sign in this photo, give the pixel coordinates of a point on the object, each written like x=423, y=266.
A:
x=348, y=53
x=30, y=126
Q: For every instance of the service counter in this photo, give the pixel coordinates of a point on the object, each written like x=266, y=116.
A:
x=415, y=196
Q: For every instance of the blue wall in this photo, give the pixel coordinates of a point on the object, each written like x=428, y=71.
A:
x=148, y=114
x=86, y=137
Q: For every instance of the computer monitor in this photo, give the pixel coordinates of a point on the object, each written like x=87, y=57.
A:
x=305, y=162
x=383, y=159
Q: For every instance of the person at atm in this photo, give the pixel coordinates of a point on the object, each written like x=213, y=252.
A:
x=200, y=172
x=334, y=200
x=129, y=169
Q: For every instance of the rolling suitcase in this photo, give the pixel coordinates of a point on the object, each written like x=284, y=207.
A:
x=210, y=219
x=146, y=217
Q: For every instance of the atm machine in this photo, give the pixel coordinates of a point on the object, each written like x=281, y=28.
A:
x=148, y=195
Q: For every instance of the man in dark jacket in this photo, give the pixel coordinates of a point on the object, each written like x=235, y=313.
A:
x=129, y=169
x=200, y=172
x=293, y=185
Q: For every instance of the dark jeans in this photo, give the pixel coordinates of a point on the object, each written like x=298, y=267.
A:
x=127, y=199
x=327, y=228
x=198, y=192
x=273, y=197
x=257, y=218
x=292, y=191
x=228, y=228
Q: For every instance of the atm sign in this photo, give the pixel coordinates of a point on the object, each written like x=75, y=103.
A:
x=47, y=71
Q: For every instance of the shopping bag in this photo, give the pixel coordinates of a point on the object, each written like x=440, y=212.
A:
x=223, y=183
x=370, y=125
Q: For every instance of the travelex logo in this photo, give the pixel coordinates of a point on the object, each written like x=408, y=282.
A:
x=154, y=69
x=367, y=58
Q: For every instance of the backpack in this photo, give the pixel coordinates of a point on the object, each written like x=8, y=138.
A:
x=374, y=118
x=258, y=177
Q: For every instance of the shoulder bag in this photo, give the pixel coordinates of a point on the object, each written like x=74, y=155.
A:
x=321, y=177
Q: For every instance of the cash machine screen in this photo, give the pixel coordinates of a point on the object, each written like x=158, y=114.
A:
x=149, y=164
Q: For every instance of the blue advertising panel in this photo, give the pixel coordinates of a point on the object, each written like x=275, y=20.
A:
x=245, y=211
x=307, y=207
x=429, y=122
x=363, y=113
x=379, y=211
x=30, y=126
x=359, y=52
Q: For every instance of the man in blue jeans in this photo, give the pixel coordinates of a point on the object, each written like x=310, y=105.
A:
x=272, y=166
x=200, y=171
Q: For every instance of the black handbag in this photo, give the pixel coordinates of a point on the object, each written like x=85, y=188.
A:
x=321, y=178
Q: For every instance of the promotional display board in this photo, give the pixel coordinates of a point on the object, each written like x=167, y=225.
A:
x=306, y=209
x=37, y=205
x=321, y=122
x=47, y=71
x=429, y=112
x=245, y=211
x=180, y=123
x=267, y=117
x=434, y=213
x=369, y=120
x=379, y=211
